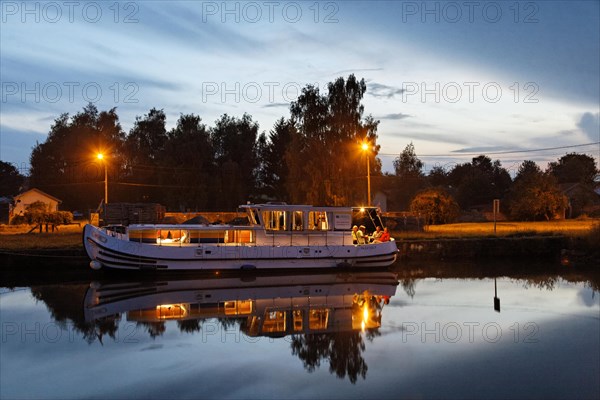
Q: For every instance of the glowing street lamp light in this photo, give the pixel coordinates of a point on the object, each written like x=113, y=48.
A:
x=101, y=158
x=365, y=148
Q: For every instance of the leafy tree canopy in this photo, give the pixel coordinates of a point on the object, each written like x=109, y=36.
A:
x=535, y=195
x=325, y=162
x=11, y=180
x=435, y=205
x=574, y=167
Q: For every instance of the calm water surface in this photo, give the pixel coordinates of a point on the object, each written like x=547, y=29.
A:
x=407, y=333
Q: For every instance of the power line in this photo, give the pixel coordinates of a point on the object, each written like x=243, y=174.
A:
x=498, y=152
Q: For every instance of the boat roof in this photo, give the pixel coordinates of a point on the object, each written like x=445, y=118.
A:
x=294, y=207
x=190, y=227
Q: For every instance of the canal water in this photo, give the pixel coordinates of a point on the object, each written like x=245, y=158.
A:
x=418, y=331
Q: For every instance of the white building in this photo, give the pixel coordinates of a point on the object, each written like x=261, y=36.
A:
x=21, y=201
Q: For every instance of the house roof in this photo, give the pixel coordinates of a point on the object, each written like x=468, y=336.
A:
x=38, y=191
x=570, y=186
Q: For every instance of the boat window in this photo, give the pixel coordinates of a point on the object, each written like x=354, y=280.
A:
x=317, y=220
x=297, y=221
x=275, y=220
x=144, y=235
x=207, y=236
x=237, y=307
x=253, y=217
x=274, y=321
x=171, y=311
x=239, y=236
x=297, y=320
x=169, y=236
x=318, y=318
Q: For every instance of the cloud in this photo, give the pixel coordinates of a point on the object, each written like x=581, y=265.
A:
x=484, y=149
x=395, y=116
x=383, y=91
x=590, y=125
x=429, y=137
x=271, y=105
x=354, y=71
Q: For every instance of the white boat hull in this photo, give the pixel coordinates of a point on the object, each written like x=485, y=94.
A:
x=113, y=250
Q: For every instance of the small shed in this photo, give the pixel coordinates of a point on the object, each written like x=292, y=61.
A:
x=21, y=201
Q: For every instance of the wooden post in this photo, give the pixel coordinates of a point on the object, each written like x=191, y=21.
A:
x=496, y=299
x=496, y=208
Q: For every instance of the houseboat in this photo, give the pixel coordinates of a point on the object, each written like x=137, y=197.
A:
x=268, y=305
x=278, y=236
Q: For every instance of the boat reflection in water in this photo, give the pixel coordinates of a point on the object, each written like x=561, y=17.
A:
x=273, y=306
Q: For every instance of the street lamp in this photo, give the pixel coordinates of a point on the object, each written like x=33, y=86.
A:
x=101, y=158
x=365, y=148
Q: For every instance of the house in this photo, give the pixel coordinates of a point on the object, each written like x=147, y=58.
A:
x=21, y=201
x=380, y=200
x=582, y=199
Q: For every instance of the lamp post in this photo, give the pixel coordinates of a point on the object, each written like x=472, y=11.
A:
x=365, y=148
x=101, y=158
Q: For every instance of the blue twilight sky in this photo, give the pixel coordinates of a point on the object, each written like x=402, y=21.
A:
x=455, y=78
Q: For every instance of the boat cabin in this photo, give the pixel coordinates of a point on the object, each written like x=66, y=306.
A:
x=265, y=221
x=283, y=217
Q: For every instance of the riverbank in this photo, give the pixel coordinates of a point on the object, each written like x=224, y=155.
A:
x=562, y=241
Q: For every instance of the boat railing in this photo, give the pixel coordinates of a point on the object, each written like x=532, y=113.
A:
x=308, y=238
x=234, y=236
x=116, y=231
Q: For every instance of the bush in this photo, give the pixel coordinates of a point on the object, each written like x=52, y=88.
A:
x=66, y=217
x=18, y=220
x=436, y=205
x=37, y=213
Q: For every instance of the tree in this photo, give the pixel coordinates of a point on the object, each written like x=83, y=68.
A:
x=435, y=205
x=189, y=162
x=409, y=177
x=235, y=144
x=343, y=351
x=438, y=176
x=273, y=173
x=325, y=162
x=145, y=147
x=146, y=140
x=11, y=180
x=36, y=213
x=479, y=182
x=66, y=165
x=576, y=172
x=574, y=167
x=535, y=195
x=407, y=163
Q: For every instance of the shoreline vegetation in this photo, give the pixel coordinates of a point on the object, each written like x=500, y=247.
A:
x=68, y=237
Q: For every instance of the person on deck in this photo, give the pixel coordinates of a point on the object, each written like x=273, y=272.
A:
x=361, y=237
x=385, y=237
x=376, y=236
x=354, y=238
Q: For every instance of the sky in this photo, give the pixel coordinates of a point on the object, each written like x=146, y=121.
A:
x=515, y=80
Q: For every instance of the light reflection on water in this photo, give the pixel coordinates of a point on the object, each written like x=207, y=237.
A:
x=359, y=335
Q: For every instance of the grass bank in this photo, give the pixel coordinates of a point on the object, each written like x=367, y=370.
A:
x=16, y=238
x=571, y=228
